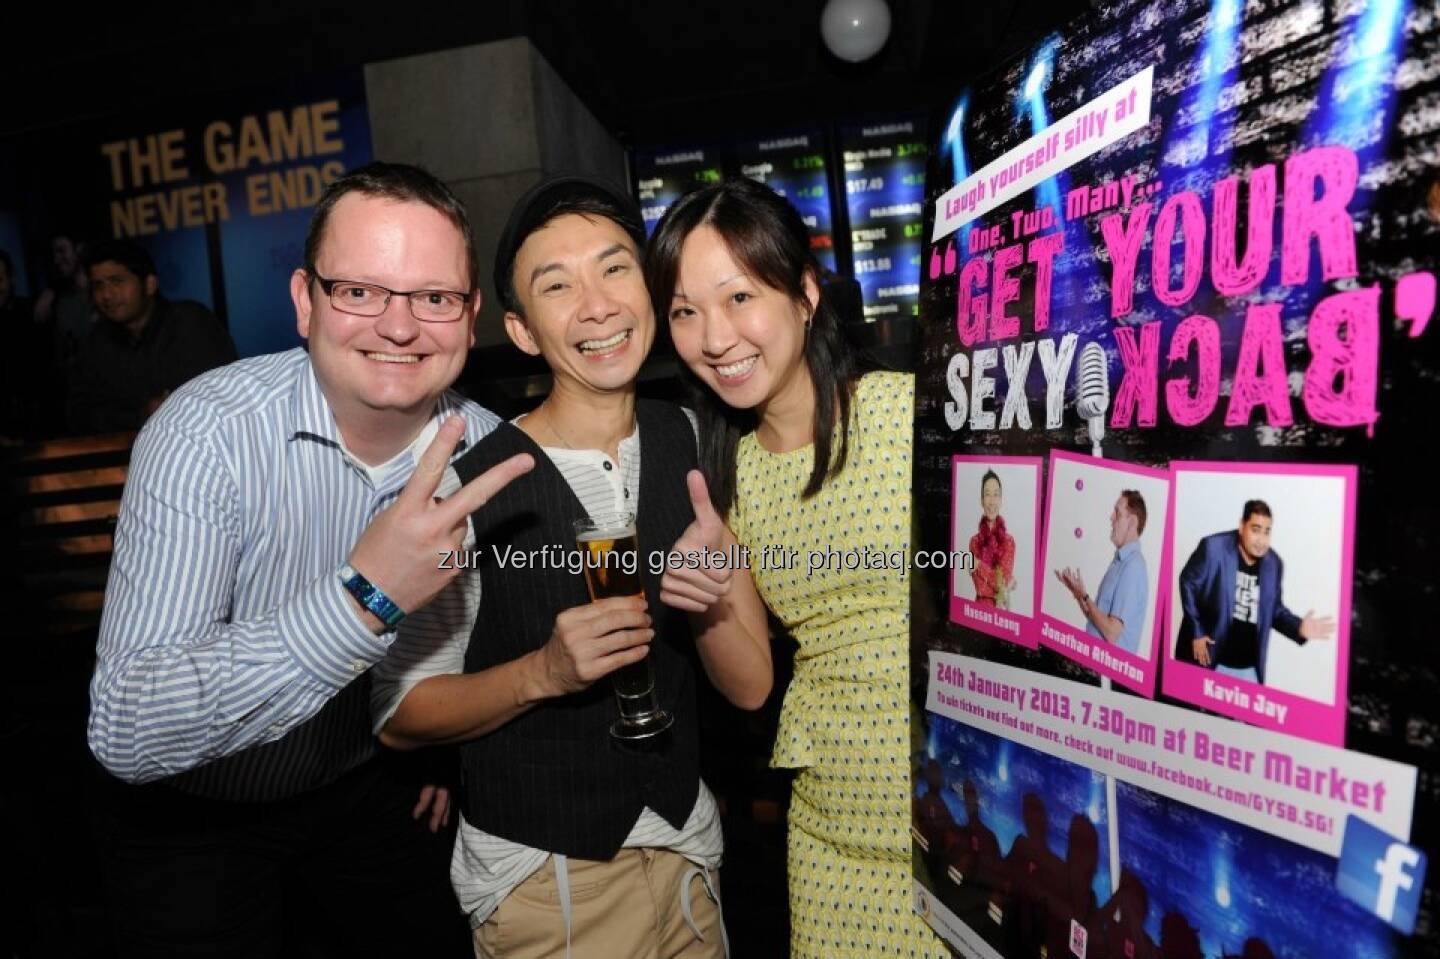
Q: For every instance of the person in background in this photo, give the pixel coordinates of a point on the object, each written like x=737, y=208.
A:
x=144, y=346
x=277, y=525
x=802, y=451
x=24, y=392
x=64, y=306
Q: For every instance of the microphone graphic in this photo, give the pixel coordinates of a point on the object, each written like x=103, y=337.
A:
x=1092, y=392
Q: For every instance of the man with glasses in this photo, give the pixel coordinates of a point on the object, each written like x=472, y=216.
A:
x=278, y=523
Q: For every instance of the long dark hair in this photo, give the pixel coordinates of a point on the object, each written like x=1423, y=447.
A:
x=768, y=239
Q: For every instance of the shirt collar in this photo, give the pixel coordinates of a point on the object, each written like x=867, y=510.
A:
x=309, y=410
x=626, y=448
x=390, y=476
x=628, y=444
x=1127, y=551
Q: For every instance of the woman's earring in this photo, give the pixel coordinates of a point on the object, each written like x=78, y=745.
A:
x=808, y=320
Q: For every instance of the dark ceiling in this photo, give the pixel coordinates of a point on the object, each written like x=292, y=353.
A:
x=650, y=70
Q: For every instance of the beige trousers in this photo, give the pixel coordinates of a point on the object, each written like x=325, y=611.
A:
x=632, y=907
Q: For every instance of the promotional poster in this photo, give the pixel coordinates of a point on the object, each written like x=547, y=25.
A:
x=1173, y=396
x=219, y=193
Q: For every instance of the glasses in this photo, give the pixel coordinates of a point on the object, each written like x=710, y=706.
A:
x=367, y=299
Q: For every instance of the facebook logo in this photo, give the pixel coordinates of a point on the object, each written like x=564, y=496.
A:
x=1380, y=873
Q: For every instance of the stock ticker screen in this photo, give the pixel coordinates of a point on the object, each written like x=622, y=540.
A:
x=883, y=179
x=662, y=177
x=884, y=196
x=794, y=166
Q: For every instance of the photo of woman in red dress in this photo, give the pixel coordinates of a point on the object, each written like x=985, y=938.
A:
x=993, y=548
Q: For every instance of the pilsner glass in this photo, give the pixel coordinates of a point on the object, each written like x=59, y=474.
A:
x=612, y=568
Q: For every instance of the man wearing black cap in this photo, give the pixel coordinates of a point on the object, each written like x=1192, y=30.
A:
x=568, y=837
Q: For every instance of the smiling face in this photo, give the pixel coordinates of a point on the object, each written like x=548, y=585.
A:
x=1255, y=537
x=391, y=362
x=64, y=257
x=586, y=308
x=120, y=295
x=990, y=500
x=742, y=338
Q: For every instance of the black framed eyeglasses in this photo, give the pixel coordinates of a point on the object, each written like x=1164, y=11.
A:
x=369, y=299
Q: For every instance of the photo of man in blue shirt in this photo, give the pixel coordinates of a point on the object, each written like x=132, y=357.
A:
x=1117, y=612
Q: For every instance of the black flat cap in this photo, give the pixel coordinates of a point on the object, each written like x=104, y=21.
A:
x=538, y=206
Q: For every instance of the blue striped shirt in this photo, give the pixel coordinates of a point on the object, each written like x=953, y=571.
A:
x=225, y=626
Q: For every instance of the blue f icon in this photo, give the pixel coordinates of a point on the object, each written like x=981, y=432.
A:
x=1381, y=874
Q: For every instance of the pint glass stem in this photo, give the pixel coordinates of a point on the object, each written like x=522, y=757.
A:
x=611, y=563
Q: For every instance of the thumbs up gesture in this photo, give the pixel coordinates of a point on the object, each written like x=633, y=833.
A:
x=695, y=579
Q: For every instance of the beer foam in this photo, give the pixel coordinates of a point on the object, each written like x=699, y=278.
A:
x=617, y=533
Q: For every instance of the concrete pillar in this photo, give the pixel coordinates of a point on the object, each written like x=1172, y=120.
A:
x=490, y=120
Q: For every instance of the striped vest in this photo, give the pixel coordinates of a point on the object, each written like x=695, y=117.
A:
x=554, y=778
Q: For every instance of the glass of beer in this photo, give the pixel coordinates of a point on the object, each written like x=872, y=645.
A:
x=611, y=556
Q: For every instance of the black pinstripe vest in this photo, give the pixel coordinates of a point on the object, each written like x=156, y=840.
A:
x=553, y=778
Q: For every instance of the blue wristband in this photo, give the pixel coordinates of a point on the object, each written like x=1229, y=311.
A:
x=371, y=597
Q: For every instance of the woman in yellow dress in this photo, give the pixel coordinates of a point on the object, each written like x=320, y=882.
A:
x=808, y=461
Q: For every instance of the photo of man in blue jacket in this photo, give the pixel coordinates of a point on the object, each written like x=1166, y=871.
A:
x=1230, y=600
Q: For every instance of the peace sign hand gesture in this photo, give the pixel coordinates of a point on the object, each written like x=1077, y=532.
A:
x=401, y=549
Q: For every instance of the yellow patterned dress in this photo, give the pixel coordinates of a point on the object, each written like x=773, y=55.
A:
x=827, y=567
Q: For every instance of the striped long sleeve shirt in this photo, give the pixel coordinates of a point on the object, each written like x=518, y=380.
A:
x=225, y=624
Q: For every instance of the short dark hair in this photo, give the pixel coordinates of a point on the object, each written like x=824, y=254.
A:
x=550, y=199
x=127, y=253
x=768, y=239
x=1135, y=503
x=588, y=205
x=989, y=475
x=1254, y=507
x=401, y=183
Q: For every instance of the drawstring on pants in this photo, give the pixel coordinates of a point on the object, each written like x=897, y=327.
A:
x=562, y=889
x=714, y=894
x=562, y=886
